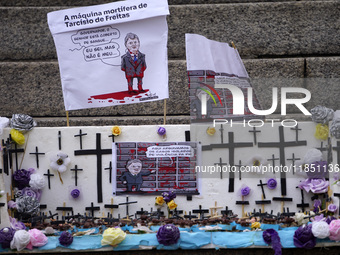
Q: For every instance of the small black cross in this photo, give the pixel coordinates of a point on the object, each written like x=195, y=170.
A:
x=48, y=177
x=15, y=151
x=262, y=184
x=239, y=171
x=190, y=216
x=76, y=169
x=226, y=212
x=321, y=148
x=158, y=213
x=113, y=138
x=92, y=209
x=142, y=212
x=200, y=211
x=37, y=153
x=110, y=171
x=281, y=145
x=293, y=159
x=303, y=205
x=127, y=205
x=297, y=129
x=5, y=156
x=231, y=145
x=221, y=130
x=99, y=152
x=288, y=214
x=254, y=131
x=337, y=149
x=59, y=140
x=80, y=138
x=273, y=160
x=221, y=166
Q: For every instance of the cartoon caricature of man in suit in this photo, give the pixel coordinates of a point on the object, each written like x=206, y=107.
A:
x=133, y=63
x=134, y=176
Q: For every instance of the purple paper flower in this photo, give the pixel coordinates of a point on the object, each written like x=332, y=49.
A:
x=317, y=202
x=318, y=217
x=168, y=196
x=22, y=178
x=329, y=219
x=245, y=191
x=270, y=236
x=65, y=238
x=168, y=234
x=271, y=183
x=332, y=208
x=317, y=186
x=304, y=238
x=11, y=204
x=317, y=169
x=75, y=193
x=16, y=225
x=161, y=131
x=36, y=194
x=6, y=236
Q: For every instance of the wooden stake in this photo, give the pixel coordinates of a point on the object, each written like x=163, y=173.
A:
x=243, y=214
x=111, y=210
x=262, y=204
x=67, y=119
x=232, y=44
x=64, y=205
x=164, y=118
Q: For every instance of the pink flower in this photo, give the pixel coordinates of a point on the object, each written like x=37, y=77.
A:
x=37, y=238
x=334, y=230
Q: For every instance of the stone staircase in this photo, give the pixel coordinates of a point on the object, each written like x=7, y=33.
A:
x=276, y=39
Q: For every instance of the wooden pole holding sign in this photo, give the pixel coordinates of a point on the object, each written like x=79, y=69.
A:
x=67, y=119
x=164, y=118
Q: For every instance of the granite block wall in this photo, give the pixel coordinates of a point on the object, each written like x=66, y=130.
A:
x=276, y=40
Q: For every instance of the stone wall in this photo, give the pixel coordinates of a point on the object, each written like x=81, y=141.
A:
x=276, y=39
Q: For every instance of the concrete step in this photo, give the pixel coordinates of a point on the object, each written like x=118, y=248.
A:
x=34, y=88
x=304, y=28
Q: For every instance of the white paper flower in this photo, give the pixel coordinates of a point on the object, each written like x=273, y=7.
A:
x=320, y=229
x=20, y=240
x=142, y=229
x=311, y=156
x=60, y=162
x=37, y=181
x=255, y=163
x=300, y=218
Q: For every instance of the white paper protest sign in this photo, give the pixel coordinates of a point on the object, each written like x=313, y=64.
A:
x=169, y=151
x=112, y=54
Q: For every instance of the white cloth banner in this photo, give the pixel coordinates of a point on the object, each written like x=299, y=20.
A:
x=112, y=54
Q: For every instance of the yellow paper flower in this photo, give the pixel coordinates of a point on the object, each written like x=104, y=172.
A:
x=159, y=201
x=116, y=131
x=172, y=205
x=321, y=132
x=17, y=137
x=256, y=224
x=113, y=236
x=211, y=131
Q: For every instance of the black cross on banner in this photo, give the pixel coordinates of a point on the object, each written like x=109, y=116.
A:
x=80, y=138
x=76, y=169
x=273, y=160
x=15, y=151
x=254, y=131
x=110, y=171
x=4, y=156
x=337, y=149
x=37, y=153
x=59, y=140
x=98, y=151
x=231, y=145
x=281, y=145
x=48, y=178
x=220, y=164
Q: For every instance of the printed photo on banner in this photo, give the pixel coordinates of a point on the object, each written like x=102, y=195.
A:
x=112, y=54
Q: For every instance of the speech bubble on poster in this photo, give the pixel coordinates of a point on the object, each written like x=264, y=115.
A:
x=169, y=151
x=101, y=52
x=95, y=36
